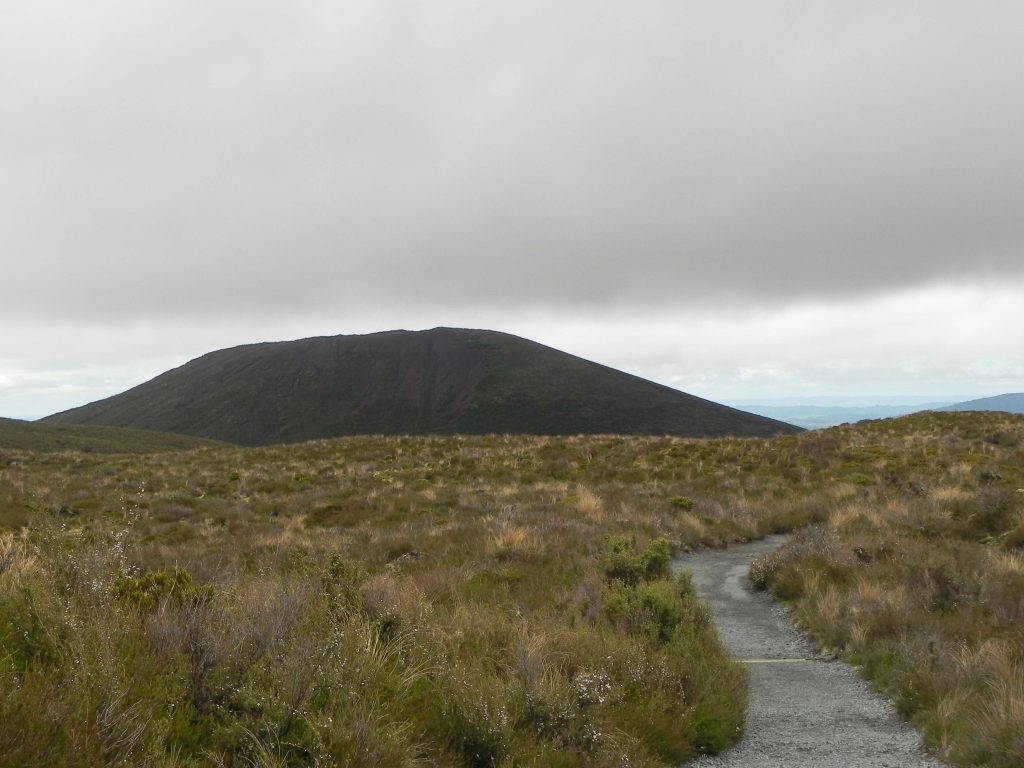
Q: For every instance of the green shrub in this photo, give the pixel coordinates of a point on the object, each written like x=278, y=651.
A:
x=656, y=607
x=478, y=729
x=146, y=591
x=623, y=563
x=341, y=583
x=684, y=503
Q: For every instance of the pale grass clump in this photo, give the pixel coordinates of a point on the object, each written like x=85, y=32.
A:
x=643, y=520
x=1007, y=563
x=895, y=511
x=989, y=697
x=530, y=652
x=386, y=655
x=846, y=514
x=556, y=489
x=949, y=713
x=589, y=504
x=15, y=561
x=961, y=470
x=376, y=741
x=989, y=660
x=870, y=591
x=830, y=606
x=999, y=719
x=514, y=541
x=745, y=512
x=858, y=636
x=872, y=516
x=812, y=583
x=947, y=494
x=292, y=534
x=691, y=528
x=843, y=491
x=889, y=615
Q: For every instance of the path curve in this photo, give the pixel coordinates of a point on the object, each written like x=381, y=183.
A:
x=802, y=712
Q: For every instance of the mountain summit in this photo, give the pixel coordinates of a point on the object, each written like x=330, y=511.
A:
x=441, y=381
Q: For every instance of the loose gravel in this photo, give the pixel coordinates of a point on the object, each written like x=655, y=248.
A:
x=803, y=711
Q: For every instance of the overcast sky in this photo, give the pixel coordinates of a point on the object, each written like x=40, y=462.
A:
x=745, y=200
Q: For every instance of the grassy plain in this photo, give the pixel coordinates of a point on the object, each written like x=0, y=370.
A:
x=493, y=601
x=370, y=602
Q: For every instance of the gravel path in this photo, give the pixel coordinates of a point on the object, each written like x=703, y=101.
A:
x=802, y=711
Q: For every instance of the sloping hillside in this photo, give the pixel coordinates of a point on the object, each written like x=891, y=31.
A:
x=1010, y=403
x=442, y=381
x=29, y=436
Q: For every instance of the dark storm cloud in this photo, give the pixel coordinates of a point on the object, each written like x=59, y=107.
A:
x=216, y=156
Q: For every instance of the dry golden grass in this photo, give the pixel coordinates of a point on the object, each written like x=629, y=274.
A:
x=945, y=494
x=918, y=575
x=16, y=562
x=510, y=541
x=408, y=601
x=589, y=504
x=444, y=601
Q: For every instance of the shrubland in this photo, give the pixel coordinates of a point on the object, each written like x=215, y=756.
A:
x=493, y=601
x=917, y=576
x=360, y=602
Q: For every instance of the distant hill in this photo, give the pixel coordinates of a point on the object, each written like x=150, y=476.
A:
x=50, y=438
x=822, y=416
x=1011, y=403
x=442, y=381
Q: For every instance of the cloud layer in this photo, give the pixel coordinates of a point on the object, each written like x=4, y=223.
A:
x=220, y=156
x=759, y=195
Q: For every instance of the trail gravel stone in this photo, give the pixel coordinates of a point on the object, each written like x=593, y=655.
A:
x=803, y=711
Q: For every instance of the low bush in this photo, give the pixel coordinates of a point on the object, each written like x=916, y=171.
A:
x=624, y=564
x=146, y=591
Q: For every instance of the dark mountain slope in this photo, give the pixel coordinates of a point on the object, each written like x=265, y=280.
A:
x=1011, y=403
x=441, y=381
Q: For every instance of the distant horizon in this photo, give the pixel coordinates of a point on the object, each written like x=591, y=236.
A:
x=736, y=200
x=71, y=395
x=857, y=401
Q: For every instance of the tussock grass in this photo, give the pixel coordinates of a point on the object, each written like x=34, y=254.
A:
x=918, y=577
x=494, y=601
x=360, y=602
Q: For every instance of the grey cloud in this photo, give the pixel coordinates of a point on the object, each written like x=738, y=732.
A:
x=215, y=157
